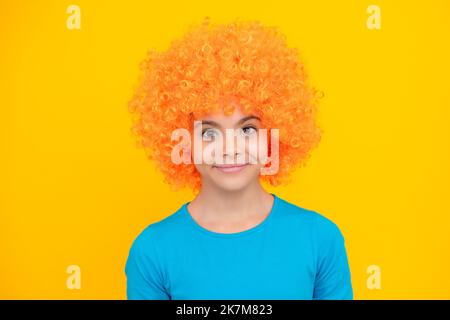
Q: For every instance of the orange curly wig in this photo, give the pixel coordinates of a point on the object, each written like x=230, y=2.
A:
x=207, y=69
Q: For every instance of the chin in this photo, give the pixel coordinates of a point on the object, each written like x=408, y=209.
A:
x=232, y=185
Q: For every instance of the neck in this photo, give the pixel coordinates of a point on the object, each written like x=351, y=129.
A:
x=232, y=205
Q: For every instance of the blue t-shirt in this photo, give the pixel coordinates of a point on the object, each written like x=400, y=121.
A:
x=294, y=253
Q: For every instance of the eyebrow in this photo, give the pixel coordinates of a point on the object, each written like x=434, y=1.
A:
x=213, y=123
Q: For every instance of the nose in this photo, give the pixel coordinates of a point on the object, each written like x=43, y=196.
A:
x=236, y=152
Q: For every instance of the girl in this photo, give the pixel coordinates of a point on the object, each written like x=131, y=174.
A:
x=234, y=240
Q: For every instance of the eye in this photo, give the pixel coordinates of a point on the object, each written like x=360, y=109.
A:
x=210, y=132
x=248, y=130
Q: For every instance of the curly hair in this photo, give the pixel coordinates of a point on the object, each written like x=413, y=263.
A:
x=207, y=69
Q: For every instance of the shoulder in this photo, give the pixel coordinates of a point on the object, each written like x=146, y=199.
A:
x=315, y=221
x=159, y=231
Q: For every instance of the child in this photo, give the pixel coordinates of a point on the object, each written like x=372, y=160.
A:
x=234, y=240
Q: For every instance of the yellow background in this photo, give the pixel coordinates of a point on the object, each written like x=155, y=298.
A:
x=74, y=189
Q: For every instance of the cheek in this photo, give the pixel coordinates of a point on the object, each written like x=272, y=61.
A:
x=254, y=170
x=203, y=155
x=202, y=168
x=256, y=152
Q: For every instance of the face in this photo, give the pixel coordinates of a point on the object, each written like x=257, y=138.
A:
x=238, y=165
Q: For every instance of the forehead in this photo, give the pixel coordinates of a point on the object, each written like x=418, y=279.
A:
x=220, y=117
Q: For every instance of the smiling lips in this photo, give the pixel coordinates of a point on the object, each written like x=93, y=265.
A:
x=231, y=168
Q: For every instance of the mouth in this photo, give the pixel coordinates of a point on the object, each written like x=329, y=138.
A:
x=233, y=168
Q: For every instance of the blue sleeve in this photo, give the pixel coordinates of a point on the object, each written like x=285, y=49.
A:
x=144, y=276
x=333, y=278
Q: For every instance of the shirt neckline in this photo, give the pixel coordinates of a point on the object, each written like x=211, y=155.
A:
x=259, y=226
